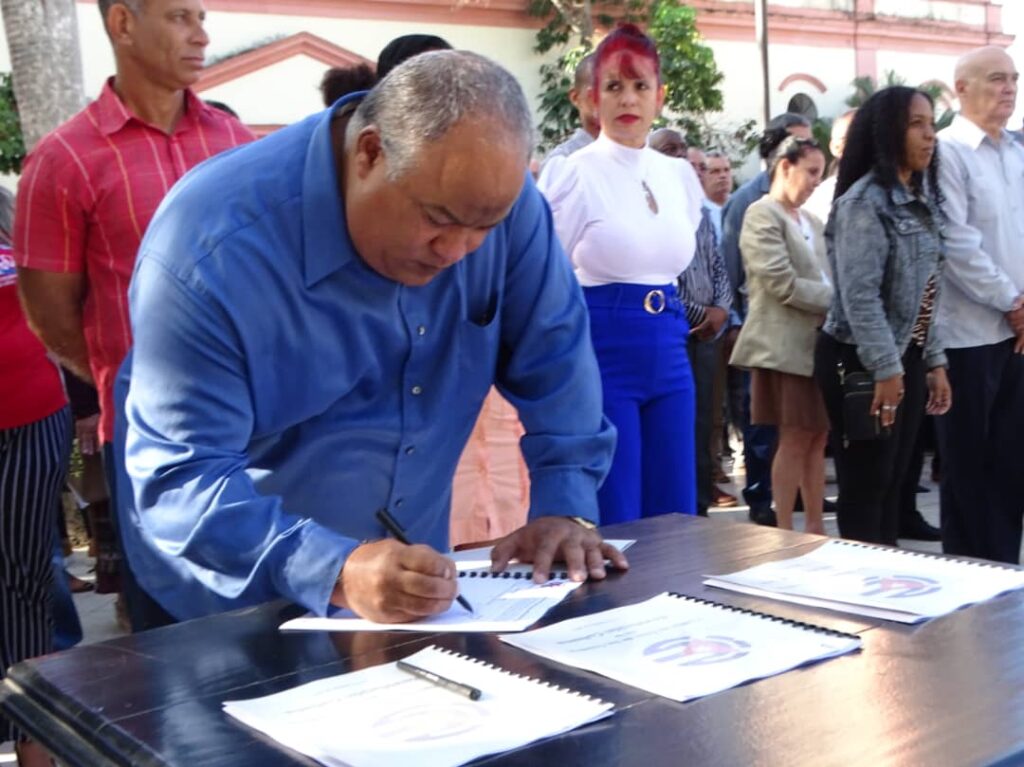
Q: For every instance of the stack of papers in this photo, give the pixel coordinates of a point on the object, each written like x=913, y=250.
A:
x=384, y=717
x=894, y=584
x=681, y=647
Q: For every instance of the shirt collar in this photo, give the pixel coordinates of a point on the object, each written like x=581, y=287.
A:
x=967, y=132
x=900, y=195
x=764, y=182
x=326, y=243
x=113, y=115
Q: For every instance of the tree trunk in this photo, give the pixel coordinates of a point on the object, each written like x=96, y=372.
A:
x=46, y=66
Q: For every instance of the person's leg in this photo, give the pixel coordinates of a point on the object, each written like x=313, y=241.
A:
x=619, y=496
x=812, y=483
x=1002, y=536
x=702, y=356
x=758, y=448
x=144, y=612
x=904, y=440
x=67, y=628
x=622, y=352
x=669, y=468
x=718, y=418
x=787, y=472
x=33, y=468
x=863, y=467
x=964, y=435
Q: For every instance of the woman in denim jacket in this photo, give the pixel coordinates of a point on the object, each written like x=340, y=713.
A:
x=885, y=249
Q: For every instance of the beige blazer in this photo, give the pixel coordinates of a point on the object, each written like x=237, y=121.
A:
x=787, y=292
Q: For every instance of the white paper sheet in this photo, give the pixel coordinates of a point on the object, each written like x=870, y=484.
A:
x=683, y=648
x=858, y=578
x=383, y=717
x=499, y=604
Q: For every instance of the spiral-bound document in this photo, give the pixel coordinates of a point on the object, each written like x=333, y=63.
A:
x=879, y=582
x=506, y=601
x=682, y=647
x=384, y=717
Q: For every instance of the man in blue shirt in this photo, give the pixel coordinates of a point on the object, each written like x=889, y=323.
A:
x=317, y=320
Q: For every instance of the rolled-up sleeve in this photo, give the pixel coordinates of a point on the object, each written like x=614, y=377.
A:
x=547, y=369
x=190, y=418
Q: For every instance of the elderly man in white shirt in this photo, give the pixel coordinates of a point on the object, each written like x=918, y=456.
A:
x=980, y=309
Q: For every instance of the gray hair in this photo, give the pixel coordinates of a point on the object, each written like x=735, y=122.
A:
x=135, y=6
x=6, y=215
x=426, y=96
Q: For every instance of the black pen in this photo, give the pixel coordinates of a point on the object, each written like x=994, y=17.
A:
x=392, y=526
x=458, y=688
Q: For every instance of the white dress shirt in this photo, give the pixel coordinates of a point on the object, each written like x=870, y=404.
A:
x=820, y=201
x=605, y=222
x=982, y=182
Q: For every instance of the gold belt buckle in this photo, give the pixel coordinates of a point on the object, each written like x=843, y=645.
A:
x=654, y=301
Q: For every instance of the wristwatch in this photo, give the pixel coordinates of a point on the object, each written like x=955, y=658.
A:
x=583, y=522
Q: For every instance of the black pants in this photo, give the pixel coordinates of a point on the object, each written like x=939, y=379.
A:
x=33, y=467
x=703, y=356
x=982, y=494
x=144, y=612
x=870, y=472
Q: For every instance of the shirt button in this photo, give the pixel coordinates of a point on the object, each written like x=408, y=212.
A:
x=410, y=450
x=421, y=330
x=398, y=502
x=417, y=389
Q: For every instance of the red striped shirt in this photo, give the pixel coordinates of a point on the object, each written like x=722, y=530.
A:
x=86, y=195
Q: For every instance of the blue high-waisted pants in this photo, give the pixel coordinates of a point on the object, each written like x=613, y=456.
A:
x=649, y=396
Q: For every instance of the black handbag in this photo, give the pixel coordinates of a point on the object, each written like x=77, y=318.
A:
x=859, y=423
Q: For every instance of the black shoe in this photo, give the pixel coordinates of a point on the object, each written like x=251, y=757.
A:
x=917, y=528
x=763, y=517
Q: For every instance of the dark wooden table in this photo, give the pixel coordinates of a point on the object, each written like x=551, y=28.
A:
x=948, y=692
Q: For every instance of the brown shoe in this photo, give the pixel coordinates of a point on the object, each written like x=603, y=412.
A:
x=722, y=499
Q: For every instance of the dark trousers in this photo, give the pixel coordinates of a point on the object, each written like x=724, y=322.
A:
x=982, y=493
x=144, y=612
x=870, y=472
x=758, y=450
x=703, y=358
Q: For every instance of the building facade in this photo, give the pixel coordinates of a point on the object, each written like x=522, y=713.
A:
x=267, y=56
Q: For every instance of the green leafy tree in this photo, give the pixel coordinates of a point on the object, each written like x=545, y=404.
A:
x=12, y=145
x=864, y=87
x=569, y=30
x=688, y=68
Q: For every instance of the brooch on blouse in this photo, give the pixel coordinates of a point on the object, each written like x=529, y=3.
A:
x=651, y=202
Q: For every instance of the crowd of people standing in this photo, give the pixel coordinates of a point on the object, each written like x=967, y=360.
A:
x=385, y=278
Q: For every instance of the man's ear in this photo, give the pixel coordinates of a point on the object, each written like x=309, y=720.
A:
x=120, y=23
x=369, y=150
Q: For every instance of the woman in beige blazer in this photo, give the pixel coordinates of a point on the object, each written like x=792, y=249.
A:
x=789, y=292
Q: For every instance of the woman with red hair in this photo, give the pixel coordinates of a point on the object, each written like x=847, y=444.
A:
x=627, y=216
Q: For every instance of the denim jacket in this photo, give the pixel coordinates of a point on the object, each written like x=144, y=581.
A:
x=883, y=246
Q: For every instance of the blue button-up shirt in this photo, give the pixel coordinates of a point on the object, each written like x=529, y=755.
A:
x=281, y=391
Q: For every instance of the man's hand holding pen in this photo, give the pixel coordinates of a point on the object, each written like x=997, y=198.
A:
x=391, y=582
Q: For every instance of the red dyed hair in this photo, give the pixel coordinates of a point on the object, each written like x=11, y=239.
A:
x=630, y=41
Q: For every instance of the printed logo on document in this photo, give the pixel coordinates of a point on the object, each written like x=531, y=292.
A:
x=899, y=586
x=697, y=651
x=429, y=722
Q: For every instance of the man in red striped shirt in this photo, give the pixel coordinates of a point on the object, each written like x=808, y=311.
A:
x=89, y=188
